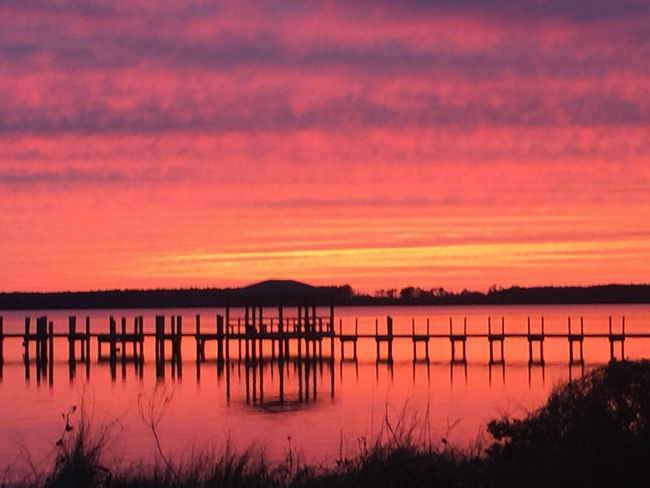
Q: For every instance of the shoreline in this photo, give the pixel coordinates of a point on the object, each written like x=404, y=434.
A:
x=320, y=296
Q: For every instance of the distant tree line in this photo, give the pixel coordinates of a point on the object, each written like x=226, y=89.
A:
x=343, y=295
x=515, y=295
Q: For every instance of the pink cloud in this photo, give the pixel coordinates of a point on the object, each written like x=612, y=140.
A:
x=131, y=133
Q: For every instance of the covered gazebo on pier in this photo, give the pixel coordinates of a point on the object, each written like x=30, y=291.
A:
x=277, y=313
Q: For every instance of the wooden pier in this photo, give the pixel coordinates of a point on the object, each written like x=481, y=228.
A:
x=351, y=338
x=536, y=339
x=386, y=338
x=458, y=339
x=497, y=339
x=420, y=338
x=261, y=335
x=114, y=340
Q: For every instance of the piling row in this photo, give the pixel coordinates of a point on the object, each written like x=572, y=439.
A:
x=301, y=337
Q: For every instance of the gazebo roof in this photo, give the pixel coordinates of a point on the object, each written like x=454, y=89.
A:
x=283, y=292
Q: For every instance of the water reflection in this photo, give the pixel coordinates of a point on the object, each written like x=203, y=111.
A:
x=540, y=369
x=497, y=366
x=275, y=391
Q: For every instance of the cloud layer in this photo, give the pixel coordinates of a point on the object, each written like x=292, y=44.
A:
x=210, y=118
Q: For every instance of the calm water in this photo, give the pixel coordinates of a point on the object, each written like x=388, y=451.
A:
x=326, y=411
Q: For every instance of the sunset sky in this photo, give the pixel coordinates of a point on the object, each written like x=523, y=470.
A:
x=385, y=143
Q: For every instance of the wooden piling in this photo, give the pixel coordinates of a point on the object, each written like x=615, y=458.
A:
x=299, y=345
x=200, y=345
x=177, y=344
x=86, y=356
x=50, y=364
x=41, y=343
x=287, y=344
x=171, y=335
x=220, y=339
x=123, y=341
x=576, y=339
x=616, y=338
x=226, y=330
x=178, y=340
x=458, y=339
x=237, y=330
x=331, y=334
x=499, y=339
x=281, y=381
x=72, y=334
x=50, y=341
x=140, y=336
x=26, y=338
x=112, y=332
x=246, y=346
x=420, y=338
x=299, y=323
x=345, y=338
x=159, y=331
x=33, y=337
x=160, y=346
x=261, y=354
x=2, y=345
x=134, y=339
x=253, y=340
x=320, y=338
x=387, y=338
x=536, y=339
x=280, y=332
x=272, y=331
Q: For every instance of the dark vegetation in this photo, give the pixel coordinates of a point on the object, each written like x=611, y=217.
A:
x=592, y=432
x=505, y=296
x=288, y=293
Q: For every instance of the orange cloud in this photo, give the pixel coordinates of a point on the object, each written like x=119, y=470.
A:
x=215, y=143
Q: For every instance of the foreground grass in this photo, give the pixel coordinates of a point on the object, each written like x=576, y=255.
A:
x=594, y=431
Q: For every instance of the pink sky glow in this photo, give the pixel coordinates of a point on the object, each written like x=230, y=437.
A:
x=382, y=144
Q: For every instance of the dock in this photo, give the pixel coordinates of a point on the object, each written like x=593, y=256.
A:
x=298, y=345
x=305, y=337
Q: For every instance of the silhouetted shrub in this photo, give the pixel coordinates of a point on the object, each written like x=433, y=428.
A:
x=593, y=431
x=77, y=463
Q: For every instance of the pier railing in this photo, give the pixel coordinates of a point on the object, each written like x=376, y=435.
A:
x=274, y=326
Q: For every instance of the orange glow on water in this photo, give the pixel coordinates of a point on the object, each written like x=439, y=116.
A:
x=323, y=409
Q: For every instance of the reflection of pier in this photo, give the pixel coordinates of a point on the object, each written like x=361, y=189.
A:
x=289, y=347
x=297, y=381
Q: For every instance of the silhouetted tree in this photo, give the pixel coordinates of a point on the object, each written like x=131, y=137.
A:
x=345, y=292
x=407, y=293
